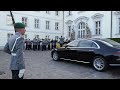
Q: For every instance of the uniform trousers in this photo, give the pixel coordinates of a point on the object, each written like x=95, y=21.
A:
x=15, y=74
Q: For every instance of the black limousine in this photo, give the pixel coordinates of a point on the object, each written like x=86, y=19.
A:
x=99, y=52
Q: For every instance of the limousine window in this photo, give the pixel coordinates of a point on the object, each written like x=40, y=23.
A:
x=73, y=43
x=85, y=43
x=111, y=43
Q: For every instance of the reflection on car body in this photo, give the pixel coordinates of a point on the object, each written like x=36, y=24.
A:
x=99, y=52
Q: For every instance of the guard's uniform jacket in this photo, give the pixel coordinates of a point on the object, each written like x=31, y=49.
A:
x=61, y=40
x=15, y=47
x=34, y=41
x=48, y=44
x=38, y=44
x=44, y=43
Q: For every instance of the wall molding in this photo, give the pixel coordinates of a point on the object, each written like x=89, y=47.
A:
x=117, y=13
x=97, y=15
x=81, y=18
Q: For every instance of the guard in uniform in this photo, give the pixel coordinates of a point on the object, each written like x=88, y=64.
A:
x=61, y=41
x=15, y=47
x=30, y=44
x=34, y=44
x=38, y=44
x=27, y=44
x=48, y=44
x=52, y=44
x=43, y=44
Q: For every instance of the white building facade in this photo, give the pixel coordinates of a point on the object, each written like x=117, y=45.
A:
x=53, y=24
x=38, y=24
x=102, y=24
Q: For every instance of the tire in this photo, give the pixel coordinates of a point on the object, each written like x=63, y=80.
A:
x=100, y=64
x=55, y=56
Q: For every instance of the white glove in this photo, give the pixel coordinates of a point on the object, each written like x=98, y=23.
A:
x=21, y=73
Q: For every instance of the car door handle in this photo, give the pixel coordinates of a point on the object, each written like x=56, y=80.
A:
x=91, y=50
x=67, y=48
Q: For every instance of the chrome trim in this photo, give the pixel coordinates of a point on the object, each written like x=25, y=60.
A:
x=55, y=49
x=90, y=50
x=98, y=47
x=96, y=44
x=106, y=43
x=82, y=47
x=75, y=60
x=118, y=59
x=114, y=64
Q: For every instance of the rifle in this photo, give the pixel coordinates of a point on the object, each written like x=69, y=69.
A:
x=13, y=20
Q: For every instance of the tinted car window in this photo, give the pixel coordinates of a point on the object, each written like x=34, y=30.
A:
x=111, y=43
x=85, y=43
x=73, y=43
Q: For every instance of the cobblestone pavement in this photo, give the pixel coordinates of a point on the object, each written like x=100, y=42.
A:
x=39, y=65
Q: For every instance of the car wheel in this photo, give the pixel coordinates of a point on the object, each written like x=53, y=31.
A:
x=55, y=56
x=99, y=63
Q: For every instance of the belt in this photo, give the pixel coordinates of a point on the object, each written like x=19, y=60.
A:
x=13, y=54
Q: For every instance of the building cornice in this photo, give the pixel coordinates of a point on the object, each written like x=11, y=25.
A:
x=117, y=13
x=69, y=22
x=97, y=15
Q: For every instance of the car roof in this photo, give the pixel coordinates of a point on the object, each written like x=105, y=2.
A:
x=92, y=39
